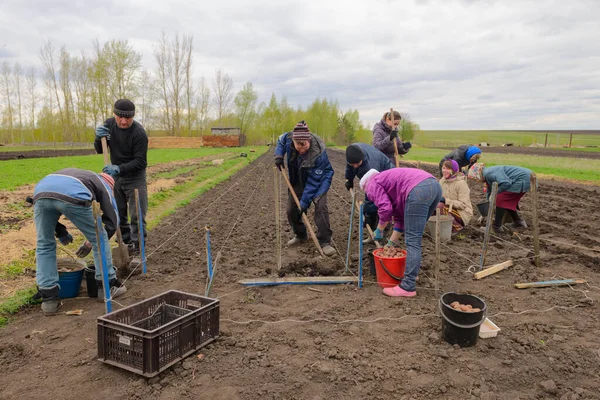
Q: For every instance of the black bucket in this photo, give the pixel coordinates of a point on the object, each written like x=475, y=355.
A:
x=90, y=281
x=372, y=270
x=459, y=327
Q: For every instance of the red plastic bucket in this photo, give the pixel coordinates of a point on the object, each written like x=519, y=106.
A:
x=390, y=271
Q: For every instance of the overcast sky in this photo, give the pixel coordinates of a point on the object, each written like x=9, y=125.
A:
x=449, y=64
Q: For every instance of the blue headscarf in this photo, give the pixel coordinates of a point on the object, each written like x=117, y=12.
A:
x=471, y=151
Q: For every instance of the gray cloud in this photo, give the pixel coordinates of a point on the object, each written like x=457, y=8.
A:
x=456, y=64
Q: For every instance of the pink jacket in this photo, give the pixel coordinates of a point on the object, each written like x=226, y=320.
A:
x=390, y=189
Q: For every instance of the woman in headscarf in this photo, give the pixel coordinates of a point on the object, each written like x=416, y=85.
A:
x=456, y=196
x=465, y=155
x=409, y=196
x=513, y=183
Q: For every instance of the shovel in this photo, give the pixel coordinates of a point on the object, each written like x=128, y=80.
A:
x=121, y=257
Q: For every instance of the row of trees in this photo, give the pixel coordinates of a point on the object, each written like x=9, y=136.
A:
x=77, y=93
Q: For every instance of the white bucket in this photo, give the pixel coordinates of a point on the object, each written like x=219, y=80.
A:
x=445, y=227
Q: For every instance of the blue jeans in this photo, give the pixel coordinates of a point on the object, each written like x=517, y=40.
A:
x=46, y=213
x=420, y=205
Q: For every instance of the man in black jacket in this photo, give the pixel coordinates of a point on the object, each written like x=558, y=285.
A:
x=128, y=144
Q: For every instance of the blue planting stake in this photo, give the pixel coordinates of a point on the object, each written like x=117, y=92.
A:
x=360, y=246
x=350, y=231
x=140, y=230
x=101, y=248
x=209, y=260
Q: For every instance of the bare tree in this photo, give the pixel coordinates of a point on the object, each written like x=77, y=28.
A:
x=65, y=86
x=6, y=88
x=189, y=86
x=245, y=106
x=176, y=81
x=123, y=64
x=47, y=57
x=222, y=89
x=31, y=97
x=161, y=54
x=81, y=83
x=17, y=75
x=147, y=95
x=203, y=104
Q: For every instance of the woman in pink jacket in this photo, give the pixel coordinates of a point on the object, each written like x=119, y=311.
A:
x=409, y=196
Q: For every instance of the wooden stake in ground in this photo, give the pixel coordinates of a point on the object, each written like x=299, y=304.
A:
x=395, y=141
x=369, y=230
x=122, y=256
x=493, y=269
x=437, y=248
x=488, y=225
x=304, y=217
x=350, y=230
x=276, y=182
x=536, y=227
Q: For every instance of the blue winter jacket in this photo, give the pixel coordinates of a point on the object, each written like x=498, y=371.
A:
x=510, y=178
x=373, y=159
x=80, y=187
x=316, y=170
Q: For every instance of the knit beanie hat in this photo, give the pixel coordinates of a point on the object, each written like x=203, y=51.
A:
x=366, y=177
x=301, y=132
x=471, y=151
x=354, y=154
x=108, y=179
x=455, y=166
x=476, y=172
x=124, y=108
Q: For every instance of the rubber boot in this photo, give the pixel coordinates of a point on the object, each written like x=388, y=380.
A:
x=295, y=241
x=50, y=301
x=328, y=250
x=497, y=224
x=518, y=222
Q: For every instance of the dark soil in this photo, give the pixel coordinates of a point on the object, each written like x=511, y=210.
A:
x=539, y=151
x=340, y=342
x=16, y=155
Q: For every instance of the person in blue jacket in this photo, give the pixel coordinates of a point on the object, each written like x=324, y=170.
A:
x=310, y=174
x=360, y=158
x=70, y=192
x=513, y=183
x=465, y=156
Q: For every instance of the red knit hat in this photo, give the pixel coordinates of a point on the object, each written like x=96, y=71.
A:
x=301, y=132
x=108, y=179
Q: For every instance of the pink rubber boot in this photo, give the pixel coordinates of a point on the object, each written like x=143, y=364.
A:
x=397, y=291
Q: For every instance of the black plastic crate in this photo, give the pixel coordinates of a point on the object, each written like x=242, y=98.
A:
x=150, y=336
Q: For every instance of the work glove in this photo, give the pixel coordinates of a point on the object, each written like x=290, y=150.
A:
x=349, y=184
x=391, y=243
x=65, y=240
x=279, y=162
x=102, y=131
x=378, y=234
x=112, y=170
x=84, y=249
x=301, y=211
x=406, y=145
x=443, y=200
x=393, y=134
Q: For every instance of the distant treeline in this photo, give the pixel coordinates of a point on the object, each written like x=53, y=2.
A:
x=75, y=92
